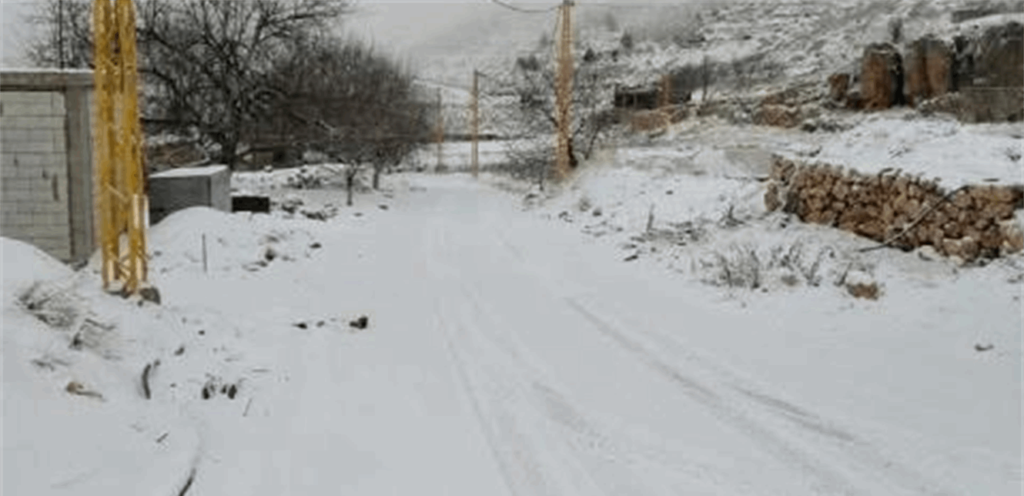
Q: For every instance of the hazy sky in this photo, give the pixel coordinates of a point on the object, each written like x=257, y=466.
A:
x=406, y=28
x=13, y=30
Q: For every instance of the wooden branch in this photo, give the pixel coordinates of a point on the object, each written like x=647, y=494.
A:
x=916, y=221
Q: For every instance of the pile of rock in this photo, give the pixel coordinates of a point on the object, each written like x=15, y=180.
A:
x=905, y=211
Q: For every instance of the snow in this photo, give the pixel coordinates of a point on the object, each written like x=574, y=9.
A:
x=646, y=328
x=191, y=171
x=513, y=351
x=940, y=147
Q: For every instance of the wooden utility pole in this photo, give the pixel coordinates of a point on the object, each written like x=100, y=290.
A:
x=439, y=132
x=475, y=110
x=563, y=91
x=60, y=34
x=666, y=91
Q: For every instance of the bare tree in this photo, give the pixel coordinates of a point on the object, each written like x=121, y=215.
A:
x=534, y=116
x=204, y=61
x=345, y=100
x=64, y=37
x=208, y=59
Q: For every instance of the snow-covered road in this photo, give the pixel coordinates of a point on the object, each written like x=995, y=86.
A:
x=508, y=356
x=506, y=353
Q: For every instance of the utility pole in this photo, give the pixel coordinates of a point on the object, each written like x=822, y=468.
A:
x=60, y=34
x=666, y=91
x=121, y=202
x=439, y=132
x=475, y=109
x=563, y=91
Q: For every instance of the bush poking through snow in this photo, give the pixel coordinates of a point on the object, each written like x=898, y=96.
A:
x=305, y=178
x=746, y=267
x=53, y=306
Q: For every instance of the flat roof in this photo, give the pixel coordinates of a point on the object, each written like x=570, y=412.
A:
x=190, y=172
x=39, y=79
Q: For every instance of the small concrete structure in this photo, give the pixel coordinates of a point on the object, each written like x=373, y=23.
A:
x=176, y=189
x=46, y=187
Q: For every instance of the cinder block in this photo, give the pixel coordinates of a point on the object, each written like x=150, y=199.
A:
x=40, y=135
x=57, y=105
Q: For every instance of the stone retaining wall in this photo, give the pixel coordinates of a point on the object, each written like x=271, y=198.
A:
x=970, y=222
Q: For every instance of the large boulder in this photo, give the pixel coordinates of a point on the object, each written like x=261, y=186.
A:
x=881, y=77
x=929, y=70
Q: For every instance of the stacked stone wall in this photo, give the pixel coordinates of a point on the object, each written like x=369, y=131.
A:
x=904, y=211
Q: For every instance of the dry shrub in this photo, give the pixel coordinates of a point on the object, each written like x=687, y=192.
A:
x=54, y=306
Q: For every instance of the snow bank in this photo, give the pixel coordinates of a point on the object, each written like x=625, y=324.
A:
x=25, y=265
x=77, y=422
x=957, y=154
x=232, y=241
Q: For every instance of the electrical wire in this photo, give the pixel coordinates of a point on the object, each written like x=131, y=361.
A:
x=525, y=11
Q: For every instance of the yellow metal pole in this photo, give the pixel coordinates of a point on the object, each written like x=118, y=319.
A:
x=104, y=137
x=131, y=146
x=120, y=189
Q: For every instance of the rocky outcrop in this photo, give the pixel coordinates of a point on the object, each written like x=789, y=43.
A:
x=979, y=105
x=881, y=77
x=838, y=86
x=999, y=59
x=929, y=70
x=906, y=211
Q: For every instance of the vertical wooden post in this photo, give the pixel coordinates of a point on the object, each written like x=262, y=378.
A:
x=475, y=107
x=439, y=132
x=666, y=91
x=563, y=92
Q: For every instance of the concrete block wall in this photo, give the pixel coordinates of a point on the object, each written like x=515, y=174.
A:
x=45, y=161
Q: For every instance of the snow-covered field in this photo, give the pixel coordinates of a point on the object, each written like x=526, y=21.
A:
x=565, y=343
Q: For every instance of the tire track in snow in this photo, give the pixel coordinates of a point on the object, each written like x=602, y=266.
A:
x=831, y=479
x=525, y=418
x=726, y=395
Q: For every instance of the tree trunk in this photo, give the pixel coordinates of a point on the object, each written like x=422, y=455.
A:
x=377, y=169
x=349, y=184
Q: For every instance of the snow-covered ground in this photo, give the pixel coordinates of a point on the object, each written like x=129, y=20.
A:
x=516, y=346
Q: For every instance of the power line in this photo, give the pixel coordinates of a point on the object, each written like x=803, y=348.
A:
x=525, y=11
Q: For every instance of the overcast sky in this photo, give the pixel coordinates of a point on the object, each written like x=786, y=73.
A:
x=405, y=28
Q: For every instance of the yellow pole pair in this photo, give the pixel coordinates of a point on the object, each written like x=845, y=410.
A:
x=121, y=202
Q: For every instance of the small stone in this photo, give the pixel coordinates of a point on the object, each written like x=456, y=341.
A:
x=316, y=246
x=150, y=294
x=301, y=325
x=361, y=323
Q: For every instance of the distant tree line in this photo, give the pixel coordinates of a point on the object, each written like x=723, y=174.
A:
x=252, y=74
